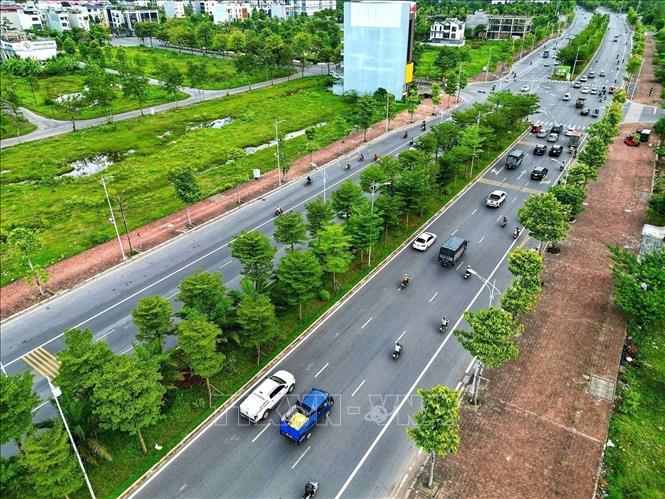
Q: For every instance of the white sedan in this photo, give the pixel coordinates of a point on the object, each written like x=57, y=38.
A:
x=267, y=395
x=525, y=88
x=424, y=241
x=585, y=90
x=495, y=199
x=570, y=131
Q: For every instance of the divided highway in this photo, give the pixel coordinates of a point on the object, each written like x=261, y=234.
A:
x=357, y=454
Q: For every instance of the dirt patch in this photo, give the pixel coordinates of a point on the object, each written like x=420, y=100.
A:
x=66, y=274
x=538, y=432
x=648, y=88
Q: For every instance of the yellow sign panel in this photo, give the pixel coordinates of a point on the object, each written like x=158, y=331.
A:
x=408, y=75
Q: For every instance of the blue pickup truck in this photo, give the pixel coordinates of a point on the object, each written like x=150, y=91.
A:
x=298, y=423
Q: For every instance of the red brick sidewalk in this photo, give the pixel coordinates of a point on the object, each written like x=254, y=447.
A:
x=538, y=432
x=648, y=77
x=66, y=274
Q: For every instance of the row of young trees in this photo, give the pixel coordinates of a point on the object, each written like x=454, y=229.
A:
x=580, y=50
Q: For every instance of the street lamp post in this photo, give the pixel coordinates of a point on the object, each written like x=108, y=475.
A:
x=115, y=225
x=279, y=168
x=489, y=60
x=575, y=63
x=56, y=393
x=490, y=285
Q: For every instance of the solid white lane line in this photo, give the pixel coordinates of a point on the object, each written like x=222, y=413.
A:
x=301, y=456
x=400, y=336
x=321, y=370
x=262, y=431
x=126, y=350
x=454, y=232
x=104, y=335
x=225, y=264
x=514, y=199
x=460, y=265
x=474, y=211
x=368, y=321
x=359, y=386
x=481, y=240
x=173, y=294
x=416, y=383
x=433, y=296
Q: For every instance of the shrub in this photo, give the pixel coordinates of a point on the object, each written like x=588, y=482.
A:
x=324, y=295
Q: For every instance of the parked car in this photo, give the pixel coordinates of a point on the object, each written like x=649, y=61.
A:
x=596, y=112
x=557, y=129
x=525, y=88
x=566, y=96
x=536, y=128
x=539, y=173
x=542, y=134
x=552, y=137
x=556, y=150
x=495, y=199
x=267, y=396
x=540, y=149
x=585, y=90
x=585, y=111
x=424, y=241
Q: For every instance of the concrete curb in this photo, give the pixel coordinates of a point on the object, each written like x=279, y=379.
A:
x=309, y=331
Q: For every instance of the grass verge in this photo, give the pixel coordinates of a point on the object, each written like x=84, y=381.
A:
x=637, y=429
x=479, y=53
x=8, y=127
x=188, y=408
x=49, y=88
x=222, y=73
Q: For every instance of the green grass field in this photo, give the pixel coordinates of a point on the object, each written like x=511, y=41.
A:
x=479, y=51
x=8, y=127
x=222, y=72
x=51, y=87
x=71, y=213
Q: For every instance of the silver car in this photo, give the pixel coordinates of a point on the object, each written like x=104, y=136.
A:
x=495, y=199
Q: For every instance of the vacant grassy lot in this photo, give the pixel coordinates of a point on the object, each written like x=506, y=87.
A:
x=479, y=52
x=72, y=214
x=8, y=127
x=50, y=88
x=222, y=73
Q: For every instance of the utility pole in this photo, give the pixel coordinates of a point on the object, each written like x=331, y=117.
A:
x=489, y=59
x=279, y=168
x=56, y=393
x=121, y=206
x=117, y=233
x=575, y=63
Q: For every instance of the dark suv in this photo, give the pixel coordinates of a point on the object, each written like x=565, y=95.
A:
x=585, y=111
x=557, y=129
x=539, y=173
x=540, y=150
x=556, y=150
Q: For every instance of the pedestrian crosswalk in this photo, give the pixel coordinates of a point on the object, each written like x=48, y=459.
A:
x=549, y=124
x=519, y=188
x=43, y=361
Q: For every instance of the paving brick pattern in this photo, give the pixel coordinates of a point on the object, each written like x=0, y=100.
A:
x=538, y=432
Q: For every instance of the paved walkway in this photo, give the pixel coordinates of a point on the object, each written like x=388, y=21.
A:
x=47, y=127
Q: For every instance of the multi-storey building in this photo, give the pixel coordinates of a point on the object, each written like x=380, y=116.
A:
x=378, y=46
x=40, y=49
x=447, y=31
x=174, y=8
x=502, y=27
x=123, y=20
x=57, y=20
x=224, y=12
x=16, y=18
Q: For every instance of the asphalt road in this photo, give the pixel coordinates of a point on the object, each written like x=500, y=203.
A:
x=357, y=453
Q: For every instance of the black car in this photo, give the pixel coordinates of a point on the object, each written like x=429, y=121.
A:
x=540, y=150
x=596, y=112
x=557, y=129
x=539, y=173
x=585, y=111
x=556, y=150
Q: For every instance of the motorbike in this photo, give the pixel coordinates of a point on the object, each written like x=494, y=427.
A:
x=411, y=142
x=406, y=134
x=443, y=326
x=516, y=233
x=397, y=351
x=348, y=166
x=361, y=158
x=503, y=222
x=570, y=150
x=310, y=490
x=404, y=284
x=467, y=273
x=308, y=182
x=424, y=126
x=279, y=211
x=376, y=156
x=561, y=167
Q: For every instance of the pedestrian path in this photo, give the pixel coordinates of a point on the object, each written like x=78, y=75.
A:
x=43, y=361
x=548, y=124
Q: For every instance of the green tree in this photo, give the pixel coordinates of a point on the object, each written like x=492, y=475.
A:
x=99, y=89
x=72, y=105
x=25, y=244
x=256, y=254
x=33, y=83
x=197, y=74
x=570, y=195
x=436, y=97
x=69, y=46
x=451, y=83
x=472, y=140
x=491, y=338
x=121, y=58
x=526, y=265
x=331, y=247
x=390, y=207
x=312, y=145
x=290, y=229
x=581, y=174
x=437, y=423
x=80, y=362
x=594, y=152
x=136, y=85
x=127, y=395
x=299, y=276
x=302, y=44
x=198, y=340
x=639, y=286
x=153, y=318
x=171, y=79
x=518, y=300
x=256, y=317
x=412, y=103
x=391, y=108
x=205, y=32
x=204, y=293
x=371, y=176
x=186, y=187
x=10, y=105
x=413, y=188
x=52, y=470
x=17, y=401
x=364, y=227
x=545, y=218
x=319, y=214
x=364, y=113
x=348, y=195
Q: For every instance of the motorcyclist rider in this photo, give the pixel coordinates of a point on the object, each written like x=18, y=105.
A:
x=398, y=347
x=405, y=279
x=504, y=221
x=310, y=489
x=362, y=157
x=444, y=322
x=348, y=166
x=406, y=134
x=308, y=181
